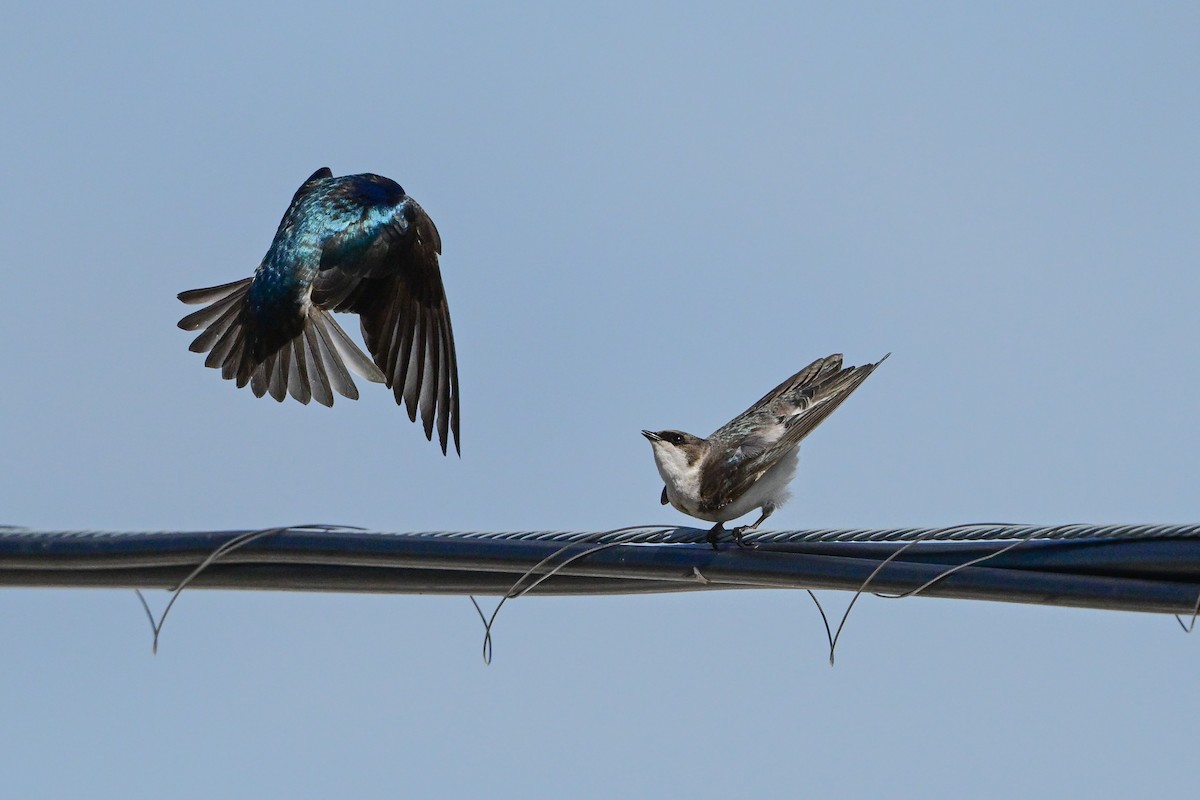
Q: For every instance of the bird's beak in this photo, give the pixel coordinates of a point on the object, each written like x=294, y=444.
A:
x=652, y=436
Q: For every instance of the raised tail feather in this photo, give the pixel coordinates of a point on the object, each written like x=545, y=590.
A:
x=311, y=365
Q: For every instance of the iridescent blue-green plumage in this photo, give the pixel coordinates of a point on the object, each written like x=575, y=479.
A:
x=354, y=244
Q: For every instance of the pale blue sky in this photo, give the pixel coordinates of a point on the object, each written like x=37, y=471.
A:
x=649, y=216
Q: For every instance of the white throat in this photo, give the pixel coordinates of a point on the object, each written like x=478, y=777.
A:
x=681, y=478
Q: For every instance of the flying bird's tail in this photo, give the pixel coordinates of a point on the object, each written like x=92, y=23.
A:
x=309, y=362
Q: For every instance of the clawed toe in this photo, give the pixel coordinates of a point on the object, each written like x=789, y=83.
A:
x=739, y=535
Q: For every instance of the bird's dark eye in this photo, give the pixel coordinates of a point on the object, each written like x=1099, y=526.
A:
x=673, y=438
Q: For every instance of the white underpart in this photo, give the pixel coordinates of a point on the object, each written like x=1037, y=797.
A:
x=682, y=480
x=683, y=485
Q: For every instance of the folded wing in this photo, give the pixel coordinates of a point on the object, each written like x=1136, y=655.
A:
x=774, y=425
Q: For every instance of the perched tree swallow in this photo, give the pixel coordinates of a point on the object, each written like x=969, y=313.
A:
x=749, y=462
x=359, y=244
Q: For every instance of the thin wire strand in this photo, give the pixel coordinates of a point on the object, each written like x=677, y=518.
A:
x=487, y=631
x=949, y=572
x=1195, y=612
x=824, y=619
x=513, y=592
x=227, y=547
x=971, y=563
x=846, y=615
x=942, y=575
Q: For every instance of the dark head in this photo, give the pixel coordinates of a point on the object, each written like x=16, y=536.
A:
x=374, y=190
x=675, y=438
x=675, y=449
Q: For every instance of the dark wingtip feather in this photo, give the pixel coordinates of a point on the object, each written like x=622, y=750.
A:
x=310, y=366
x=298, y=385
x=277, y=385
x=212, y=293
x=321, y=390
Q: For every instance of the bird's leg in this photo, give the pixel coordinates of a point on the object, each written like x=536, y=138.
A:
x=742, y=530
x=715, y=534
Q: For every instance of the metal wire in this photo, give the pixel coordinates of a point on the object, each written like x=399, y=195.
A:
x=1131, y=567
x=678, y=535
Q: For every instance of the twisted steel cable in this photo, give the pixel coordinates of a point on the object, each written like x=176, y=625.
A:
x=1131, y=567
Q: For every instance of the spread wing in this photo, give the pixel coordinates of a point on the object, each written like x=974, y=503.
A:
x=385, y=269
x=773, y=426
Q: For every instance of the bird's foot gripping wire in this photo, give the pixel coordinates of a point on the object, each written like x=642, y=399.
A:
x=714, y=535
x=739, y=536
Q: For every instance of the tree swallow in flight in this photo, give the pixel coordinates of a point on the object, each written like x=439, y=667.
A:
x=359, y=244
x=749, y=462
